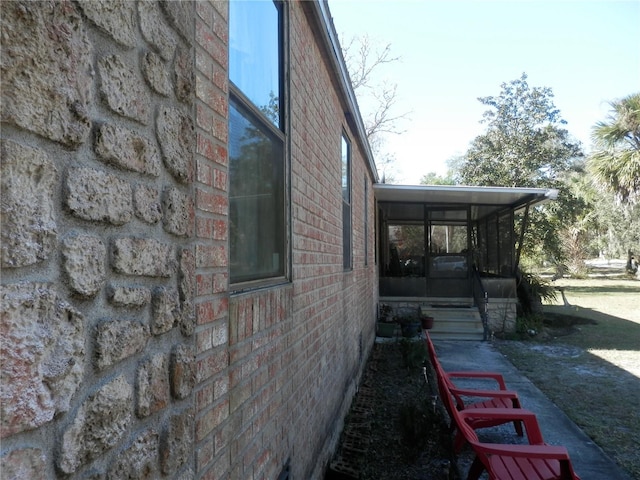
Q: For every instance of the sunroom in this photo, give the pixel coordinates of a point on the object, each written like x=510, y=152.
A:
x=452, y=252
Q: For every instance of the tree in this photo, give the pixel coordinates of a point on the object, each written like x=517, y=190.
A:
x=377, y=98
x=615, y=162
x=526, y=145
x=432, y=178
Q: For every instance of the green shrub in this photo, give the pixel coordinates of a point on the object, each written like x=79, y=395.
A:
x=414, y=352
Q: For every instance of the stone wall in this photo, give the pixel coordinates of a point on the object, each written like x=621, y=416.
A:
x=502, y=314
x=124, y=352
x=98, y=258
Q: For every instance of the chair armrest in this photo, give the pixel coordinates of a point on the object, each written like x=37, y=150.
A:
x=534, y=435
x=485, y=375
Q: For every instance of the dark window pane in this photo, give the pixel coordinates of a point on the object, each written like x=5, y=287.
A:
x=256, y=209
x=254, y=54
x=346, y=171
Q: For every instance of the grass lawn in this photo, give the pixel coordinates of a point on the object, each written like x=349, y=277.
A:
x=591, y=370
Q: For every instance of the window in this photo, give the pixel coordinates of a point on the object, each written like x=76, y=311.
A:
x=366, y=221
x=346, y=203
x=257, y=186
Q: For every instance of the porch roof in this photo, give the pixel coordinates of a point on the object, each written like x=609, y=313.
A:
x=484, y=201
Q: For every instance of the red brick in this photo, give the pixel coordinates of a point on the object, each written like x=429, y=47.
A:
x=220, y=282
x=219, y=230
x=221, y=129
x=220, y=178
x=205, y=146
x=212, y=202
x=204, y=313
x=204, y=397
x=211, y=256
x=213, y=363
x=211, y=419
x=204, y=284
x=205, y=12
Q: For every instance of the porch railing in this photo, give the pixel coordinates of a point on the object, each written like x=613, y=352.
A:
x=481, y=299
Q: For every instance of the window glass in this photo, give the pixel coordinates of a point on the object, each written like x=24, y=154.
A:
x=366, y=221
x=346, y=202
x=448, y=238
x=256, y=207
x=406, y=250
x=254, y=54
x=346, y=170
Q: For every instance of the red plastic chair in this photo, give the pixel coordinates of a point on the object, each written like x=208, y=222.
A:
x=535, y=461
x=501, y=398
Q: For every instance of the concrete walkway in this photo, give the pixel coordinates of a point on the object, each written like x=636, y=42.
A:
x=588, y=460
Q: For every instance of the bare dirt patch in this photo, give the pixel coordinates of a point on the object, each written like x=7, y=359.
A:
x=404, y=432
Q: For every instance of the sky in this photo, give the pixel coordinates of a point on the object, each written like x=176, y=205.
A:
x=454, y=51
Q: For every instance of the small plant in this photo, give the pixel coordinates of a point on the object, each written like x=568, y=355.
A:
x=529, y=325
x=385, y=312
x=540, y=287
x=414, y=353
x=417, y=423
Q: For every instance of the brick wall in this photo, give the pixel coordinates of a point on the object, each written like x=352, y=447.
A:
x=213, y=430
x=124, y=354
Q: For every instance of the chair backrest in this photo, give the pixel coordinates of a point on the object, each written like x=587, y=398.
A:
x=449, y=403
x=431, y=349
x=438, y=368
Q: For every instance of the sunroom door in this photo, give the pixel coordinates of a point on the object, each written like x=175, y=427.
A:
x=448, y=260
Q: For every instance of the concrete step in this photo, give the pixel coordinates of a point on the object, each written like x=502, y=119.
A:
x=454, y=318
x=452, y=323
x=447, y=332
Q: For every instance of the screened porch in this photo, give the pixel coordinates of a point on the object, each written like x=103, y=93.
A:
x=451, y=245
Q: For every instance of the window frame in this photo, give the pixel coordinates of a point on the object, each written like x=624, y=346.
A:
x=366, y=221
x=282, y=133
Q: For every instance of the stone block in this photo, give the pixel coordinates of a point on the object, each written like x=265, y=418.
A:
x=142, y=256
x=42, y=355
x=138, y=460
x=46, y=70
x=166, y=310
x=181, y=17
x=182, y=371
x=125, y=149
x=178, y=212
x=187, y=318
x=156, y=73
x=98, y=196
x=83, y=260
x=153, y=385
x=146, y=201
x=155, y=29
x=28, y=180
x=176, y=136
x=176, y=445
x=185, y=80
x=24, y=463
x=186, y=274
x=186, y=290
x=115, y=17
x=122, y=89
x=119, y=339
x=100, y=423
x=127, y=296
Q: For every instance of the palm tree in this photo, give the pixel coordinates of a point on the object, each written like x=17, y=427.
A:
x=615, y=162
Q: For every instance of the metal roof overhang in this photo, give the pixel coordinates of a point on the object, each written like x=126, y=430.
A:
x=484, y=201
